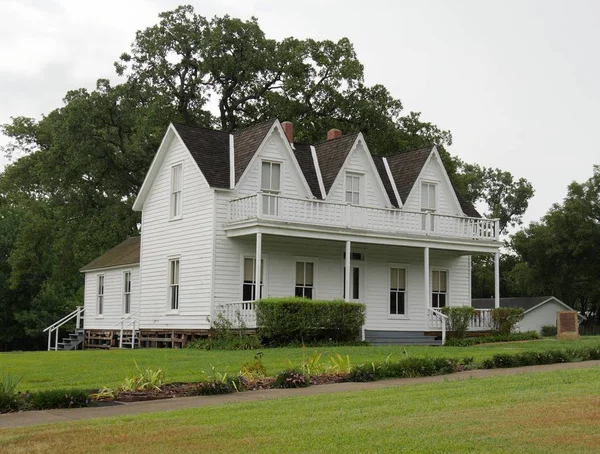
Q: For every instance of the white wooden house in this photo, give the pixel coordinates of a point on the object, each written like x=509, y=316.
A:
x=222, y=212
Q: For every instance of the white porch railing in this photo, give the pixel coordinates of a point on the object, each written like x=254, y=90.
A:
x=481, y=321
x=317, y=212
x=239, y=314
x=437, y=321
x=128, y=320
x=77, y=314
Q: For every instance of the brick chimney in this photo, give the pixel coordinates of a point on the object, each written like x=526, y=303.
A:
x=288, y=130
x=333, y=134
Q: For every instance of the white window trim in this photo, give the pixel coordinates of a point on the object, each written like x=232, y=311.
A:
x=281, y=170
x=100, y=315
x=362, y=266
x=123, y=291
x=437, y=196
x=265, y=274
x=406, y=315
x=170, y=311
x=361, y=186
x=315, y=262
x=447, y=270
x=180, y=216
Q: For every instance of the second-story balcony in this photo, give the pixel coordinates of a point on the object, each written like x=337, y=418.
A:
x=318, y=213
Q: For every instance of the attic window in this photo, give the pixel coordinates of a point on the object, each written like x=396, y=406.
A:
x=176, y=187
x=352, y=189
x=428, y=196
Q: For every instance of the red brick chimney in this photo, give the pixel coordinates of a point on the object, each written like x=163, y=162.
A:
x=288, y=130
x=333, y=134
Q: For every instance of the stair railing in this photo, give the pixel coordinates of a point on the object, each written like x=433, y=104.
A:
x=442, y=318
x=77, y=313
x=124, y=325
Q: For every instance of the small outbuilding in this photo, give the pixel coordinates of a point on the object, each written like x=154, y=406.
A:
x=539, y=310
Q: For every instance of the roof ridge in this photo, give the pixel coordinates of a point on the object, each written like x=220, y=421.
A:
x=205, y=128
x=404, y=153
x=254, y=125
x=347, y=136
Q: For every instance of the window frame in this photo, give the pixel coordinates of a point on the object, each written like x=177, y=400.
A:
x=436, y=196
x=264, y=272
x=270, y=205
x=359, y=192
x=100, y=295
x=173, y=201
x=405, y=267
x=170, y=309
x=315, y=263
x=439, y=292
x=126, y=292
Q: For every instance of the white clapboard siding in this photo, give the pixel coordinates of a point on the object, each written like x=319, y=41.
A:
x=359, y=163
x=113, y=296
x=446, y=202
x=274, y=149
x=189, y=238
x=541, y=316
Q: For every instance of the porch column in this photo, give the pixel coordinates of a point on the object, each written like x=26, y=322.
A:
x=258, y=266
x=497, y=279
x=426, y=276
x=347, y=272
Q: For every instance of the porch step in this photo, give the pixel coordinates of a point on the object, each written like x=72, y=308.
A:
x=400, y=338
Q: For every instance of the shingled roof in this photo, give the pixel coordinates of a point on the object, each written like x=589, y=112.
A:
x=307, y=165
x=125, y=253
x=406, y=167
x=246, y=142
x=378, y=160
x=525, y=303
x=332, y=155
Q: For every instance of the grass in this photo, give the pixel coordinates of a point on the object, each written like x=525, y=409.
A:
x=93, y=369
x=540, y=412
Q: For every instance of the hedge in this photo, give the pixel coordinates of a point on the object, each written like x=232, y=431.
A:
x=283, y=321
x=512, y=337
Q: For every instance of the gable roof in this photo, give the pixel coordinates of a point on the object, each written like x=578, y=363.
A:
x=125, y=253
x=331, y=155
x=304, y=157
x=526, y=303
x=210, y=150
x=406, y=168
x=383, y=175
x=246, y=142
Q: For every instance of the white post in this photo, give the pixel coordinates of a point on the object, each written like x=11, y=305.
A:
x=497, y=279
x=257, y=292
x=443, y=331
x=56, y=340
x=78, y=320
x=348, y=214
x=133, y=335
x=428, y=221
x=259, y=204
x=497, y=228
x=347, y=271
x=49, y=339
x=121, y=335
x=426, y=277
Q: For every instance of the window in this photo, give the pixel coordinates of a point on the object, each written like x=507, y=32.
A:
x=100, y=297
x=439, y=288
x=127, y=292
x=176, y=186
x=249, y=284
x=354, y=283
x=353, y=189
x=428, y=196
x=270, y=184
x=174, y=284
x=397, y=291
x=305, y=279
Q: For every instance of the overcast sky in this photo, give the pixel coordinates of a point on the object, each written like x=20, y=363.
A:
x=517, y=82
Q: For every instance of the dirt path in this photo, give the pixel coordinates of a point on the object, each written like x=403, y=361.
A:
x=31, y=418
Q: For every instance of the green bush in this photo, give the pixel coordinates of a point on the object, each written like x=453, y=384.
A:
x=59, y=398
x=9, y=398
x=504, y=360
x=291, y=378
x=458, y=319
x=282, y=321
x=549, y=330
x=504, y=319
x=216, y=386
x=404, y=368
x=512, y=337
x=224, y=336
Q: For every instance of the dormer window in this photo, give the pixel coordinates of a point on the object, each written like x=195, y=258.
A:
x=176, y=187
x=428, y=196
x=352, y=189
x=270, y=185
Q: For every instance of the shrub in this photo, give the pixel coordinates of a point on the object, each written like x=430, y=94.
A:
x=548, y=357
x=291, y=378
x=224, y=336
x=215, y=382
x=404, y=368
x=145, y=380
x=59, y=398
x=362, y=373
x=504, y=319
x=512, y=337
x=254, y=369
x=286, y=320
x=458, y=319
x=549, y=330
x=9, y=399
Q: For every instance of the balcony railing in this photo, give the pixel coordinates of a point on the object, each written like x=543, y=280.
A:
x=317, y=212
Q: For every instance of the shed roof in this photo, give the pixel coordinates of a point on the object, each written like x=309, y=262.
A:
x=125, y=253
x=526, y=303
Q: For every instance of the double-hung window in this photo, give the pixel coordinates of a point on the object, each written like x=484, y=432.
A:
x=176, y=189
x=353, y=189
x=270, y=185
x=174, y=284
x=428, y=202
x=127, y=292
x=439, y=288
x=100, y=296
x=397, y=291
x=305, y=279
x=249, y=283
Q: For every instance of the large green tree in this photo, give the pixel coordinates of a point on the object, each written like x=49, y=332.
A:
x=68, y=197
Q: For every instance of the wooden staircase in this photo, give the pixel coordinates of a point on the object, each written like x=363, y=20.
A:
x=73, y=342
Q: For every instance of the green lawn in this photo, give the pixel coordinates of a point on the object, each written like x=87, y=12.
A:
x=539, y=412
x=93, y=369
